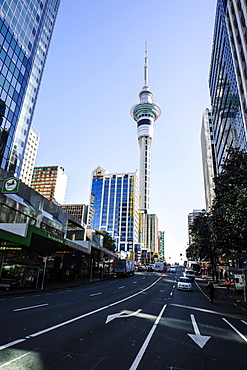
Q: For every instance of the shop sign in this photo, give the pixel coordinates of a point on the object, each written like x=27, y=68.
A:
x=239, y=280
x=10, y=185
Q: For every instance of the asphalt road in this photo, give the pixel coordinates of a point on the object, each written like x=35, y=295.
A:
x=140, y=322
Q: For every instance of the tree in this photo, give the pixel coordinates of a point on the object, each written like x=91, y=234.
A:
x=229, y=210
x=108, y=242
x=203, y=246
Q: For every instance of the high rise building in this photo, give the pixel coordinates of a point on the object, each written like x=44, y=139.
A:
x=51, y=182
x=30, y=155
x=208, y=157
x=114, y=208
x=152, y=233
x=77, y=210
x=236, y=20
x=227, y=115
x=145, y=113
x=25, y=33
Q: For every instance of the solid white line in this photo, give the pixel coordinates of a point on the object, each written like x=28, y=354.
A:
x=91, y=295
x=236, y=330
x=244, y=322
x=147, y=340
x=79, y=317
x=28, y=308
x=16, y=359
x=11, y=344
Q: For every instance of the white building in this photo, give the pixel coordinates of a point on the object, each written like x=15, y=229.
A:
x=30, y=156
x=208, y=157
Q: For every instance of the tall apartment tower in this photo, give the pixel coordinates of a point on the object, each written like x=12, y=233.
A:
x=51, y=182
x=145, y=113
x=30, y=155
x=25, y=33
x=227, y=115
x=114, y=208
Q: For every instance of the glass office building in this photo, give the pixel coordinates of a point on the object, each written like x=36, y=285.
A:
x=25, y=32
x=227, y=118
x=114, y=207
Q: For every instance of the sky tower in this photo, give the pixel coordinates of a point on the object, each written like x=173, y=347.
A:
x=145, y=113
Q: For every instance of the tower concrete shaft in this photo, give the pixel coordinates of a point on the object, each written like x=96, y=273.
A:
x=145, y=113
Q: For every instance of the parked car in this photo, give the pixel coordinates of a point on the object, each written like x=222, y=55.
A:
x=189, y=274
x=184, y=283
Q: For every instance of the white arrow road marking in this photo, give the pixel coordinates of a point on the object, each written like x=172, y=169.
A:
x=199, y=339
x=79, y=317
x=236, y=330
x=121, y=315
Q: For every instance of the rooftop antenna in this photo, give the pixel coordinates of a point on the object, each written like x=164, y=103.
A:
x=146, y=65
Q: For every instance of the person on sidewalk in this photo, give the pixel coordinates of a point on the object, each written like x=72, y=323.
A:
x=211, y=290
x=228, y=285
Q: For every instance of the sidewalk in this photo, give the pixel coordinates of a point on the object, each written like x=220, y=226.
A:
x=52, y=285
x=221, y=291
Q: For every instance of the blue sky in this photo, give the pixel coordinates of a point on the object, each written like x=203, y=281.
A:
x=93, y=74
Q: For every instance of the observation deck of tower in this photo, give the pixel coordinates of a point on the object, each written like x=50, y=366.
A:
x=145, y=113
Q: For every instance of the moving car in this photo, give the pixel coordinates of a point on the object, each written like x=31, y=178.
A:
x=189, y=274
x=172, y=269
x=184, y=283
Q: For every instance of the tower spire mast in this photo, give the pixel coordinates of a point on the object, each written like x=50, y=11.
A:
x=146, y=65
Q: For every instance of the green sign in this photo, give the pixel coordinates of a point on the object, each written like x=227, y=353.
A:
x=10, y=185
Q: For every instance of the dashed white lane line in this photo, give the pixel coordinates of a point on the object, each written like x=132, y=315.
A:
x=93, y=294
x=30, y=307
x=62, y=324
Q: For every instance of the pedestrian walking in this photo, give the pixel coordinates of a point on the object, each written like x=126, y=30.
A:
x=211, y=290
x=228, y=285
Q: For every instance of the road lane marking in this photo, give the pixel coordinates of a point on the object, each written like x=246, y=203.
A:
x=199, y=339
x=30, y=307
x=236, y=330
x=244, y=322
x=122, y=314
x=121, y=287
x=171, y=293
x=79, y=317
x=14, y=360
x=147, y=340
x=11, y=344
x=91, y=295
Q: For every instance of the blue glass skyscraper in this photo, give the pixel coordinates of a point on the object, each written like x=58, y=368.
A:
x=227, y=118
x=25, y=32
x=114, y=205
